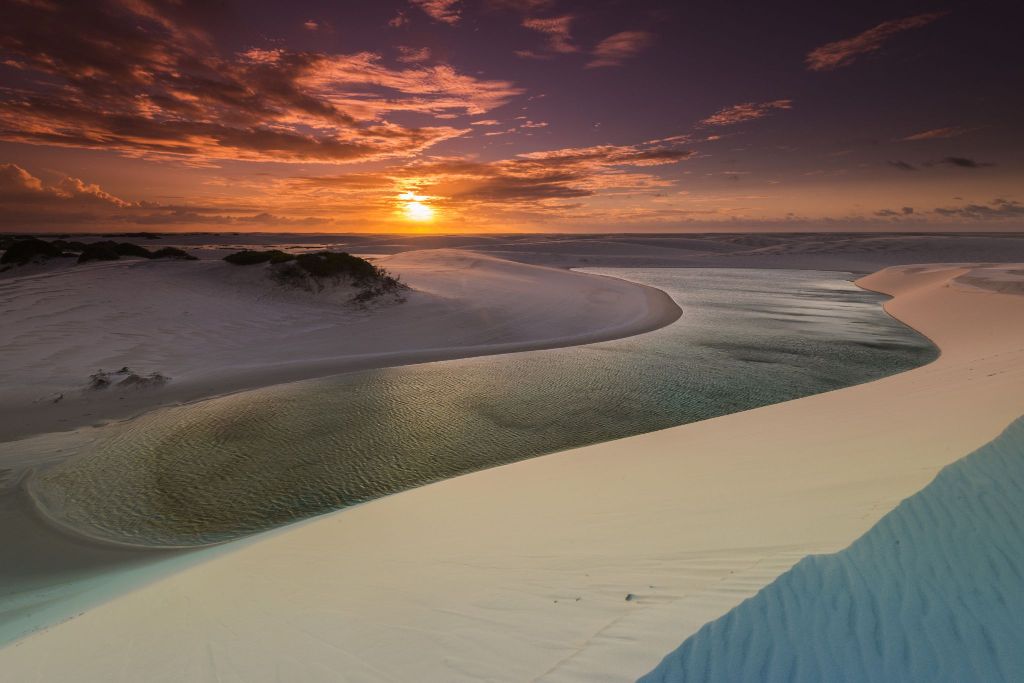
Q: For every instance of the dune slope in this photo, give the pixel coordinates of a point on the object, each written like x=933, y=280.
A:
x=933, y=592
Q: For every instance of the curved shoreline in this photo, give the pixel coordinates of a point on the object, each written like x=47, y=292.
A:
x=28, y=420
x=688, y=521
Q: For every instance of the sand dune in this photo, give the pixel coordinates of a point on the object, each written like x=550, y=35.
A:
x=590, y=564
x=214, y=328
x=933, y=592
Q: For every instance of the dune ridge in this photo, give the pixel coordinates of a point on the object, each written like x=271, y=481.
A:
x=933, y=592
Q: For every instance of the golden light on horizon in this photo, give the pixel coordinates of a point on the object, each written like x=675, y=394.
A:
x=414, y=207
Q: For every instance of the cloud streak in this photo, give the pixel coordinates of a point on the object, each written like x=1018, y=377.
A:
x=748, y=111
x=444, y=11
x=557, y=30
x=936, y=134
x=961, y=162
x=617, y=48
x=844, y=52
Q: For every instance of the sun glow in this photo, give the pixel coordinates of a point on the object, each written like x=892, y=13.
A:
x=414, y=207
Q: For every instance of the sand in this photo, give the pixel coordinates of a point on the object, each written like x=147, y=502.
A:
x=933, y=592
x=214, y=328
x=590, y=564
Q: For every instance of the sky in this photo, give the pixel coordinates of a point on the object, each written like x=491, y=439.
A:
x=510, y=116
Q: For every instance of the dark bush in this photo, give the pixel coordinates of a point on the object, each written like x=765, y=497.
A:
x=250, y=257
x=173, y=253
x=23, y=251
x=65, y=245
x=144, y=235
x=99, y=251
x=291, y=275
x=337, y=264
x=129, y=249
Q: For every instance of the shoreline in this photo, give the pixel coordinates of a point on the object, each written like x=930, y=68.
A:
x=658, y=310
x=50, y=508
x=688, y=521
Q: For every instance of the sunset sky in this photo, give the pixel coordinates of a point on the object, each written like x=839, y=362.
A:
x=510, y=115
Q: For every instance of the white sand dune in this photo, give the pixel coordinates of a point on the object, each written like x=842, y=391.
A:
x=933, y=592
x=214, y=328
x=590, y=564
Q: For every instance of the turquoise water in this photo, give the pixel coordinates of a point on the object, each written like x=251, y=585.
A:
x=223, y=468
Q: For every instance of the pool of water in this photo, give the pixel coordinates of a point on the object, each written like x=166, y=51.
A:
x=222, y=468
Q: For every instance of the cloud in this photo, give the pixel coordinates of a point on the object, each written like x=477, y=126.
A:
x=889, y=213
x=961, y=162
x=400, y=19
x=748, y=111
x=557, y=31
x=617, y=48
x=997, y=209
x=902, y=165
x=844, y=52
x=445, y=11
x=71, y=202
x=530, y=54
x=411, y=55
x=523, y=6
x=485, y=122
x=123, y=76
x=537, y=183
x=20, y=187
x=936, y=134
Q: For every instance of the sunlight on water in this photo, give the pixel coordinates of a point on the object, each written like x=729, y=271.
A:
x=222, y=468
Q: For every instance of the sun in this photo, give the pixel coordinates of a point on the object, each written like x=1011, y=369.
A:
x=415, y=208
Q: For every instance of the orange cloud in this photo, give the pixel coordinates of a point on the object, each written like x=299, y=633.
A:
x=748, y=111
x=411, y=55
x=557, y=31
x=445, y=11
x=617, y=48
x=141, y=83
x=844, y=52
x=937, y=134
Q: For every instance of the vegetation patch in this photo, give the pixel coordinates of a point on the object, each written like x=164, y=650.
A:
x=22, y=251
x=313, y=272
x=173, y=253
x=125, y=378
x=99, y=251
x=250, y=257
